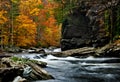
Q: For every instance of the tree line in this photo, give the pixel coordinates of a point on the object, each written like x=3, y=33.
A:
x=26, y=23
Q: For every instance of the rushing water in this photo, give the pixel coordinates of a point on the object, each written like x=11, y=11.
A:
x=71, y=69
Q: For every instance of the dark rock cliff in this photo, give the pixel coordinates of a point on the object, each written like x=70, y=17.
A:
x=85, y=26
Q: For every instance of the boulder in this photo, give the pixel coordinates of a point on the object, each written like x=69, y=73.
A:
x=84, y=26
x=9, y=73
x=109, y=50
x=12, y=67
x=85, y=51
x=36, y=50
x=13, y=50
x=19, y=79
x=38, y=73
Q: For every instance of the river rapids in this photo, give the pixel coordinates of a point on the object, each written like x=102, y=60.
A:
x=74, y=69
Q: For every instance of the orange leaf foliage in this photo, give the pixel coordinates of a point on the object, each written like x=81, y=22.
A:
x=32, y=22
x=24, y=31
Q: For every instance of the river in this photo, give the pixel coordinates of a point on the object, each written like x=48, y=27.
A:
x=72, y=69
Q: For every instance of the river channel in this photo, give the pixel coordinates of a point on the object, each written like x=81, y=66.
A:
x=74, y=69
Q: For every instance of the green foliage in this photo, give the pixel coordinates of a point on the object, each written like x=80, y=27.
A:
x=38, y=44
x=47, y=15
x=22, y=60
x=41, y=6
x=65, y=8
x=112, y=22
x=107, y=21
x=14, y=9
x=118, y=21
x=15, y=59
x=59, y=15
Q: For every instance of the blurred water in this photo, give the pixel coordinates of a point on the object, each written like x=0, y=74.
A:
x=71, y=69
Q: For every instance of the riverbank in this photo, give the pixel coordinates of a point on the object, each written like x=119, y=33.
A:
x=77, y=69
x=8, y=64
x=22, y=70
x=109, y=50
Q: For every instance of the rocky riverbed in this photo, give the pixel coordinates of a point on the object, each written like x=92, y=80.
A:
x=22, y=70
x=28, y=65
x=77, y=69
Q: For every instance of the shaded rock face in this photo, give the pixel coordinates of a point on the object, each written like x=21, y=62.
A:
x=84, y=27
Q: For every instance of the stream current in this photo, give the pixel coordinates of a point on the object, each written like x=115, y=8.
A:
x=72, y=69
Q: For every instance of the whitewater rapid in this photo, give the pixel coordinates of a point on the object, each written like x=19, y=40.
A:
x=71, y=69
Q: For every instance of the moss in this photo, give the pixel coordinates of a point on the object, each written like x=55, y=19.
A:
x=22, y=60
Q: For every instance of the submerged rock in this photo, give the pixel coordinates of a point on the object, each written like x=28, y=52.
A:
x=19, y=79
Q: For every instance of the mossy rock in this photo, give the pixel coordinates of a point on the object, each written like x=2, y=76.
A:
x=26, y=61
x=35, y=71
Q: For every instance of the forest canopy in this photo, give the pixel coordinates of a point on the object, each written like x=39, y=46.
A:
x=26, y=23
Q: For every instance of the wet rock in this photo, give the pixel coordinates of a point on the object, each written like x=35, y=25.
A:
x=19, y=79
x=9, y=73
x=36, y=50
x=13, y=50
x=2, y=55
x=109, y=50
x=29, y=69
x=38, y=73
x=76, y=52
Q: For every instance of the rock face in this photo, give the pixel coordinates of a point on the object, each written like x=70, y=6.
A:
x=84, y=26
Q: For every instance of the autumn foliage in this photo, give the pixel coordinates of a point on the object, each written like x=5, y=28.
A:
x=24, y=31
x=28, y=23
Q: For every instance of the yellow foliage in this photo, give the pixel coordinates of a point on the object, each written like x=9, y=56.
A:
x=29, y=7
x=3, y=19
x=5, y=39
x=35, y=11
x=35, y=17
x=25, y=31
x=14, y=1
